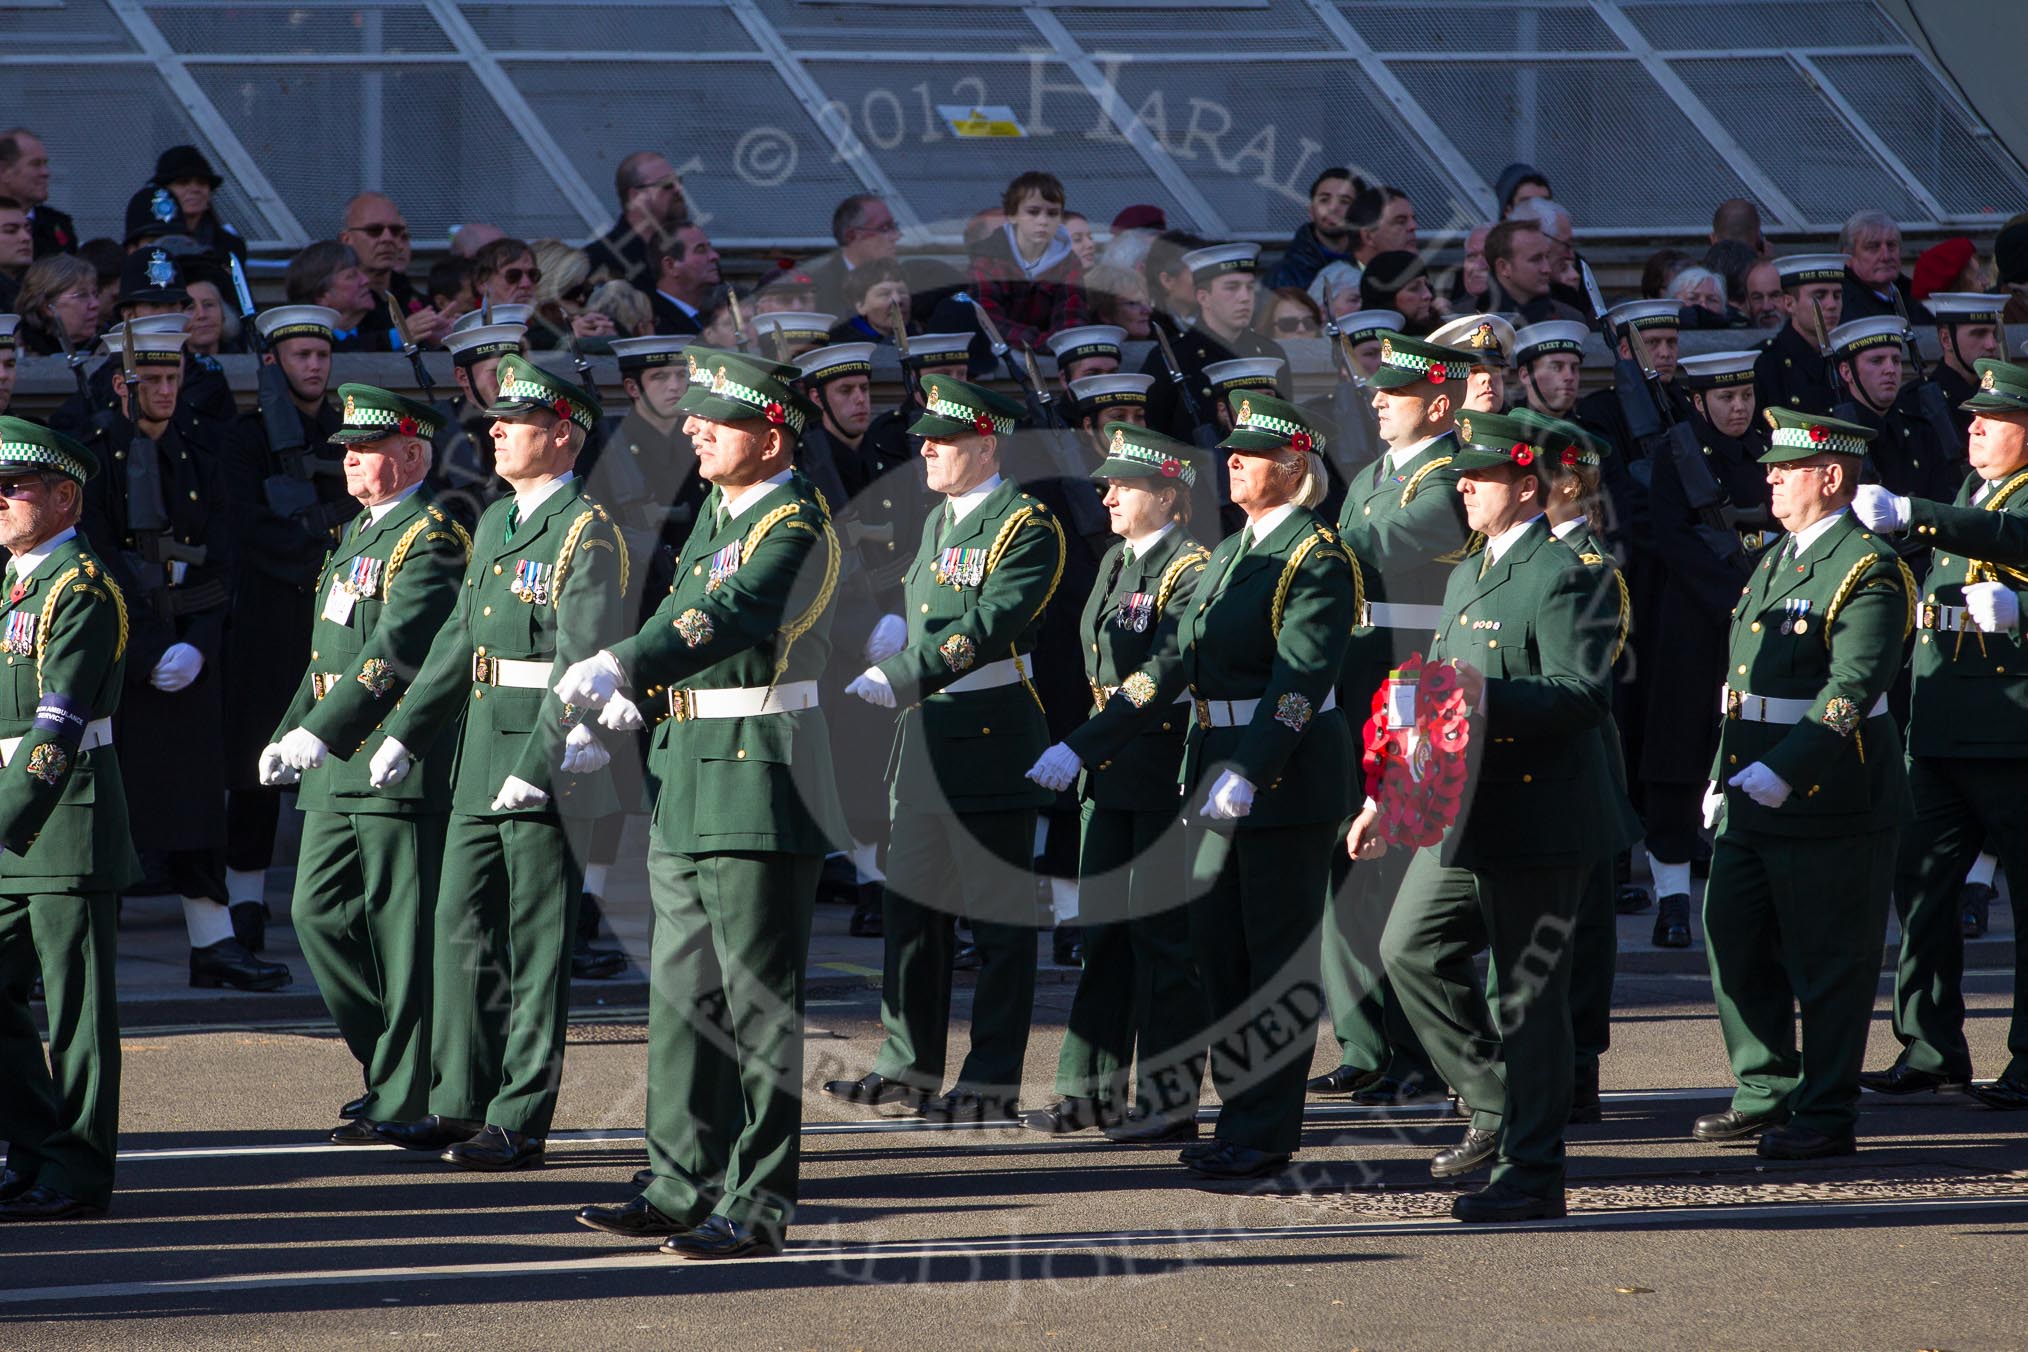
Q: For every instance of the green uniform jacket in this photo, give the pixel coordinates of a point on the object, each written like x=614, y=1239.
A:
x=1626, y=828
x=1970, y=696
x=972, y=750
x=361, y=666
x=1541, y=625
x=751, y=608
x=578, y=610
x=1131, y=749
x=63, y=812
x=1405, y=530
x=1273, y=626
x=1843, y=768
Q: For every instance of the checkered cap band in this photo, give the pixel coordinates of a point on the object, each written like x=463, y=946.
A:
x=1390, y=355
x=30, y=453
x=515, y=388
x=1817, y=439
x=944, y=408
x=1285, y=428
x=725, y=387
x=1122, y=449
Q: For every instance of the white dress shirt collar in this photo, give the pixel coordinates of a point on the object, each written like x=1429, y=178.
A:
x=736, y=503
x=1504, y=541
x=379, y=510
x=528, y=501
x=1809, y=534
x=963, y=504
x=28, y=560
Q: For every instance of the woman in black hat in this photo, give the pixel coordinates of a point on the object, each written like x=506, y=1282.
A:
x=178, y=196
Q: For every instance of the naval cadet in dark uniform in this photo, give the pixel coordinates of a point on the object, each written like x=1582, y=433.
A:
x=1792, y=372
x=1967, y=329
x=1908, y=456
x=1223, y=277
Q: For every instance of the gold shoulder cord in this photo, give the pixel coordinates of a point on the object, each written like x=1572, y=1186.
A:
x=415, y=531
x=1851, y=583
x=569, y=550
x=1978, y=570
x=801, y=625
x=993, y=556
x=1415, y=480
x=1626, y=604
x=1288, y=579
x=56, y=592
x=1173, y=574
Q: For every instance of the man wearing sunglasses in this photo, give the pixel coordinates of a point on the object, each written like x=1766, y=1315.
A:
x=376, y=231
x=652, y=207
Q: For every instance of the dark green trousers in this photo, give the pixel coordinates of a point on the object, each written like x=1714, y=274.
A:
x=725, y=1032
x=1595, y=948
x=60, y=1116
x=1139, y=984
x=1962, y=806
x=1514, y=1067
x=1257, y=900
x=1794, y=927
x=366, y=887
x=1372, y=1029
x=941, y=865
x=506, y=911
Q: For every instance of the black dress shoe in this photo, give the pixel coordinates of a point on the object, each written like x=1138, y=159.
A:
x=967, y=958
x=722, y=1238
x=47, y=1204
x=1733, y=1125
x=595, y=964
x=635, y=1220
x=867, y=921
x=227, y=963
x=1791, y=1142
x=873, y=1089
x=1975, y=900
x=1476, y=1151
x=356, y=1108
x=496, y=1150
x=1154, y=1129
x=1237, y=1161
x=1586, y=1109
x=432, y=1133
x=968, y=1105
x=2003, y=1093
x=358, y=1131
x=1066, y=946
x=1505, y=1202
x=12, y=1185
x=250, y=924
x=1902, y=1078
x=1672, y=921
x=643, y=1177
x=1343, y=1080
x=1386, y=1091
x=1629, y=899
x=1201, y=1150
x=1065, y=1116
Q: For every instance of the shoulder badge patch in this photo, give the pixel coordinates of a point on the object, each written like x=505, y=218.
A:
x=1292, y=711
x=958, y=652
x=1841, y=715
x=1139, y=688
x=47, y=762
x=377, y=676
x=695, y=627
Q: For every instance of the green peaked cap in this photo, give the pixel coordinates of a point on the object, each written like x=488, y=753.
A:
x=731, y=387
x=30, y=446
x=372, y=413
x=525, y=387
x=2003, y=387
x=1799, y=435
x=1261, y=422
x=1137, y=452
x=958, y=408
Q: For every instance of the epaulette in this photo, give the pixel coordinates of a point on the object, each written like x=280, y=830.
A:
x=1322, y=543
x=574, y=540
x=1191, y=559
x=1415, y=480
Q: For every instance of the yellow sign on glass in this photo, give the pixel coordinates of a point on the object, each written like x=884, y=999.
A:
x=980, y=120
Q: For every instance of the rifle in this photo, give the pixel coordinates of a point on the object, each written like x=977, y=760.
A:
x=1930, y=403
x=900, y=323
x=1202, y=432
x=1839, y=394
x=1652, y=423
x=738, y=322
x=71, y=357
x=1038, y=408
x=1358, y=439
x=290, y=492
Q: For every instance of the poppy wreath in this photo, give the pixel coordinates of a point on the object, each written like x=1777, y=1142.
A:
x=1419, y=782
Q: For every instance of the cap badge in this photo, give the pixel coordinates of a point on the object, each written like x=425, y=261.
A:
x=1246, y=410
x=162, y=206
x=161, y=271
x=1119, y=441
x=350, y=409
x=1986, y=380
x=1465, y=428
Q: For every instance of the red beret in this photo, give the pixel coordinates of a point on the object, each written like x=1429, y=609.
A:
x=1938, y=266
x=1141, y=217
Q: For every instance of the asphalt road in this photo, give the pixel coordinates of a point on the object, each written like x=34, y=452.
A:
x=234, y=1228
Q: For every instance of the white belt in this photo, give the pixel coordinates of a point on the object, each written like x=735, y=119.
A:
x=749, y=701
x=1389, y=615
x=1006, y=671
x=97, y=733
x=1237, y=713
x=515, y=673
x=1101, y=694
x=1931, y=616
x=1743, y=707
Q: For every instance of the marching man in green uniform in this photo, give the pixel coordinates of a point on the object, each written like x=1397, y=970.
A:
x=366, y=873
x=1139, y=984
x=745, y=811
x=546, y=587
x=1405, y=525
x=1809, y=781
x=964, y=814
x=1531, y=628
x=63, y=826
x=1967, y=740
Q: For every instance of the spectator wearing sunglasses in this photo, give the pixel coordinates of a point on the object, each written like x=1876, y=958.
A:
x=1289, y=313
x=562, y=298
x=377, y=232
x=505, y=273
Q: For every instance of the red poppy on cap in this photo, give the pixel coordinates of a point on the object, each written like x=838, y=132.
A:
x=1818, y=434
x=1300, y=442
x=561, y=406
x=775, y=414
x=1171, y=468
x=1437, y=375
x=406, y=427
x=1523, y=454
x=983, y=425
x=1569, y=456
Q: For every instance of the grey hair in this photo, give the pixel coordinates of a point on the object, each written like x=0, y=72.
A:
x=1689, y=279
x=1865, y=224
x=1551, y=216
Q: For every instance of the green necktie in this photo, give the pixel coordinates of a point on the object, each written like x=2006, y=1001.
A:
x=1127, y=555
x=946, y=521
x=1245, y=543
x=718, y=518
x=513, y=520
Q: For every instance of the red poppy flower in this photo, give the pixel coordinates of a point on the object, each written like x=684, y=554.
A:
x=561, y=406
x=406, y=427
x=1818, y=434
x=1171, y=468
x=775, y=413
x=1569, y=456
x=1437, y=375
x=983, y=425
x=1300, y=442
x=1523, y=454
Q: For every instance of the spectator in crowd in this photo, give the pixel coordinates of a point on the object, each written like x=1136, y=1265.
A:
x=1732, y=261
x=865, y=230
x=1082, y=242
x=505, y=273
x=625, y=306
x=1327, y=236
x=105, y=255
x=450, y=288
x=1701, y=290
x=17, y=250
x=1871, y=241
x=1167, y=277
x=378, y=233
x=686, y=273
x=877, y=293
x=1336, y=290
x=1557, y=225
x=1761, y=302
x=328, y=274
x=1119, y=296
x=1289, y=313
x=1382, y=221
x=1133, y=230
x=1399, y=281
x=1025, y=274
x=1661, y=269
x=214, y=328
x=188, y=178
x=559, y=299
x=788, y=288
x=24, y=176
x=59, y=293
x=10, y=358
x=716, y=320
x=1950, y=265
x=469, y=238
x=1469, y=281
x=2010, y=265
x=1518, y=254
x=652, y=207
x=1518, y=183
x=1738, y=219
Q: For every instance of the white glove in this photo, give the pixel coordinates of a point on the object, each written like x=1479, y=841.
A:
x=583, y=753
x=1230, y=799
x=889, y=637
x=390, y=765
x=1880, y=509
x=516, y=794
x=302, y=749
x=592, y=681
x=1057, y=767
x=621, y=715
x=1762, y=785
x=177, y=667
x=872, y=686
x=274, y=771
x=1714, y=805
x=1993, y=606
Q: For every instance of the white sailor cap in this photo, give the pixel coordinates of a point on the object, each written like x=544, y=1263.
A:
x=1115, y=387
x=1714, y=370
x=8, y=323
x=1086, y=340
x=837, y=360
x=1646, y=314
x=1802, y=269
x=152, y=347
x=1244, y=373
x=1873, y=331
x=1965, y=307
x=471, y=346
x=797, y=327
x=1551, y=335
x=938, y=349
x=1219, y=259
x=1366, y=326
x=501, y=314
x=177, y=321
x=297, y=321
x=656, y=349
